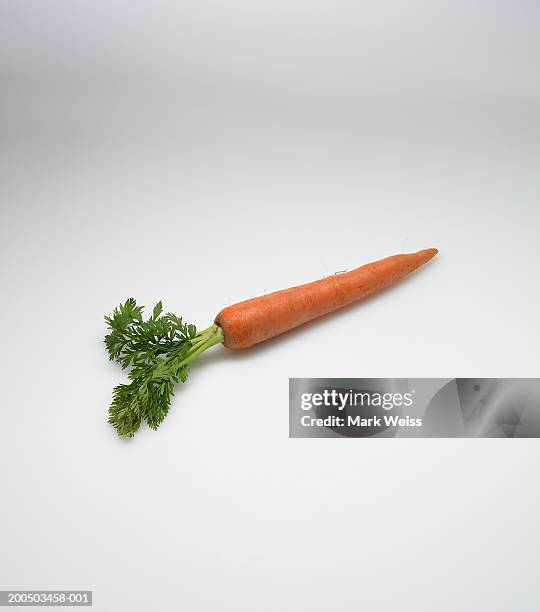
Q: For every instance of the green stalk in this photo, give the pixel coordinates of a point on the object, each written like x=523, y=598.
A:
x=203, y=340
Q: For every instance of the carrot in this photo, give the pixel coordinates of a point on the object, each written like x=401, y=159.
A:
x=160, y=351
x=253, y=321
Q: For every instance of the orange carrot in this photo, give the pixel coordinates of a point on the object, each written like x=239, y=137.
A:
x=253, y=321
x=160, y=350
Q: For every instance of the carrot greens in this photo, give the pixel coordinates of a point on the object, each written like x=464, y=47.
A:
x=158, y=352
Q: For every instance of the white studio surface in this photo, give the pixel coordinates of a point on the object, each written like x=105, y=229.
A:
x=203, y=154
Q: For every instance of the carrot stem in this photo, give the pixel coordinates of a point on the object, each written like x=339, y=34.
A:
x=203, y=340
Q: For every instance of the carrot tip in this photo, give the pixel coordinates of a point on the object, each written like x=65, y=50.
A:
x=428, y=253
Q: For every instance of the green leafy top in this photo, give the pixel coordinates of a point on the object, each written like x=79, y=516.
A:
x=158, y=352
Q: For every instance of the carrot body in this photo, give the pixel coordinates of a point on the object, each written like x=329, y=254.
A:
x=264, y=317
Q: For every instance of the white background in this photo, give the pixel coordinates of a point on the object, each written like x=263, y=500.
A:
x=206, y=152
